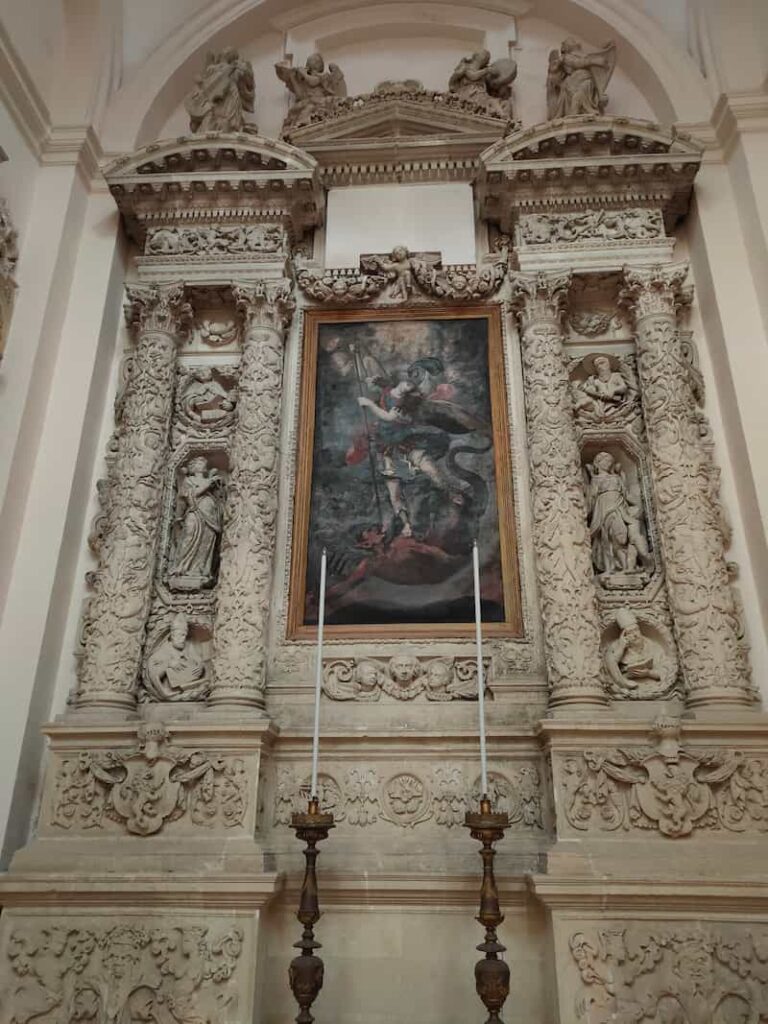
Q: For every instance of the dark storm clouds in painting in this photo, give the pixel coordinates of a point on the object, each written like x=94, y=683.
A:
x=403, y=476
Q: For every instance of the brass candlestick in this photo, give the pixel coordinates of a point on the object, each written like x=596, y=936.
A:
x=491, y=974
x=306, y=971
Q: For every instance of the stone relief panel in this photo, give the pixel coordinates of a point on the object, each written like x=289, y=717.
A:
x=605, y=390
x=593, y=226
x=708, y=973
x=639, y=655
x=403, y=676
x=441, y=794
x=669, y=789
x=140, y=790
x=206, y=397
x=212, y=241
x=71, y=969
x=177, y=662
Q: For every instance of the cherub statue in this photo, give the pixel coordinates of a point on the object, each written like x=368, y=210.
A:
x=314, y=89
x=487, y=85
x=577, y=81
x=398, y=267
x=223, y=93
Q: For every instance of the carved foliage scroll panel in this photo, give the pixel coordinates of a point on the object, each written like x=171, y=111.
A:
x=438, y=793
x=677, y=971
x=175, y=968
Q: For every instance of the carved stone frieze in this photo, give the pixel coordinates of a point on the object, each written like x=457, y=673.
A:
x=365, y=796
x=707, y=973
x=403, y=676
x=247, y=552
x=598, y=226
x=561, y=538
x=707, y=627
x=212, y=241
x=143, y=788
x=669, y=788
x=65, y=970
x=401, y=276
x=113, y=629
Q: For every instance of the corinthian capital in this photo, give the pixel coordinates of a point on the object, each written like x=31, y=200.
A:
x=265, y=304
x=540, y=296
x=655, y=290
x=158, y=307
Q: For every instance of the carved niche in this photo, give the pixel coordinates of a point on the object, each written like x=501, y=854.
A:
x=404, y=676
x=135, y=969
x=668, y=788
x=443, y=794
x=143, y=788
x=707, y=973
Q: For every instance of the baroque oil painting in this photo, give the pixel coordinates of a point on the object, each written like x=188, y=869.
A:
x=403, y=462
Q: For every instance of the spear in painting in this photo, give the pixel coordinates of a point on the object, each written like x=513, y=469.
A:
x=368, y=434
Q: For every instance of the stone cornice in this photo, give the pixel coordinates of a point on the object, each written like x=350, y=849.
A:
x=739, y=113
x=695, y=896
x=406, y=890
x=748, y=730
x=71, y=734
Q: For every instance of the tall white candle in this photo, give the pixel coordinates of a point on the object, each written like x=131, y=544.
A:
x=318, y=676
x=480, y=678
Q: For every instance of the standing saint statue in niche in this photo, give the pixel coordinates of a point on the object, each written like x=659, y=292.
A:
x=222, y=94
x=194, y=557
x=314, y=89
x=577, y=81
x=616, y=521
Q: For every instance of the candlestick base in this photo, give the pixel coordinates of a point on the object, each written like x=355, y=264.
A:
x=305, y=973
x=491, y=973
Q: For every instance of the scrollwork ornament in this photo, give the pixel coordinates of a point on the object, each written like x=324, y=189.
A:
x=712, y=656
x=561, y=538
x=247, y=549
x=115, y=620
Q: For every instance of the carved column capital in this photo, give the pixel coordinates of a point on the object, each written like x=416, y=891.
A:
x=540, y=296
x=157, y=308
x=268, y=304
x=650, y=291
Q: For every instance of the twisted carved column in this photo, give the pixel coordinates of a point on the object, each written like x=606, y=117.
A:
x=247, y=554
x=706, y=622
x=561, y=538
x=113, y=630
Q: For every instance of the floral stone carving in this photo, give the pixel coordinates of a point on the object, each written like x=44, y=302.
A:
x=361, y=797
x=136, y=970
x=145, y=787
x=403, y=676
x=671, y=789
x=707, y=974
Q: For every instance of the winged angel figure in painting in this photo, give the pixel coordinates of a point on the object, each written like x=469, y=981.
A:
x=404, y=477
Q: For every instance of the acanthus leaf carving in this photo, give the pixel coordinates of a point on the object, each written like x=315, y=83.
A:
x=145, y=787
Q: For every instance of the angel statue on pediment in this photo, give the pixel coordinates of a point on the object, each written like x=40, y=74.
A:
x=314, y=88
x=222, y=94
x=577, y=81
x=488, y=85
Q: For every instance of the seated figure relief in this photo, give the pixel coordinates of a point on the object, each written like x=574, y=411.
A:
x=488, y=85
x=223, y=94
x=607, y=395
x=620, y=552
x=194, y=556
x=204, y=400
x=313, y=87
x=176, y=670
x=577, y=81
x=638, y=663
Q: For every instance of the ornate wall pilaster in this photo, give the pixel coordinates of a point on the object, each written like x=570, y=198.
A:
x=561, y=538
x=113, y=631
x=712, y=658
x=242, y=610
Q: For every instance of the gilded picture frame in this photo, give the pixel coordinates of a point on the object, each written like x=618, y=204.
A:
x=403, y=459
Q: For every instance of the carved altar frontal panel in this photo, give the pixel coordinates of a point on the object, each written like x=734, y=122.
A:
x=702, y=969
x=411, y=459
x=145, y=783
x=96, y=965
